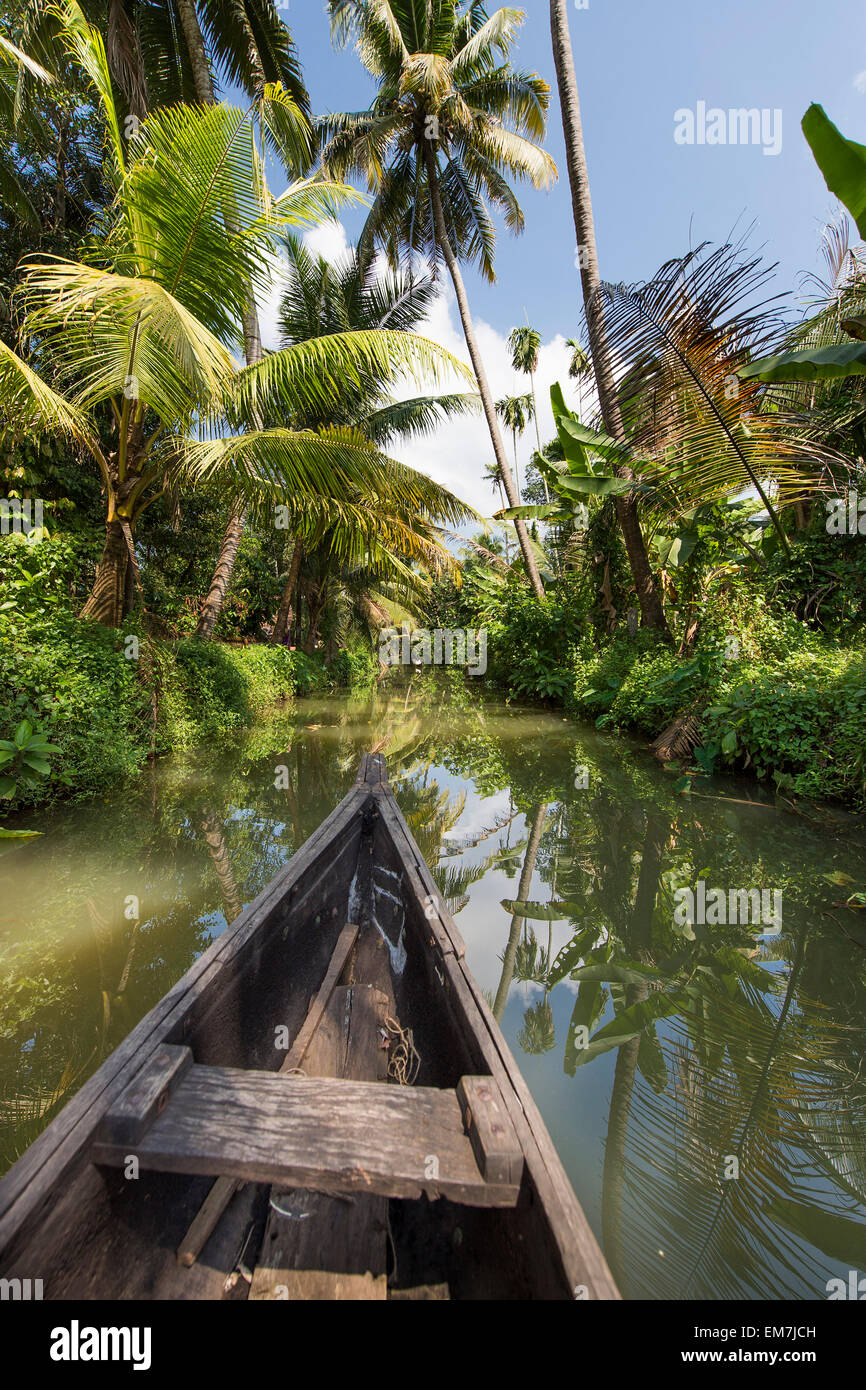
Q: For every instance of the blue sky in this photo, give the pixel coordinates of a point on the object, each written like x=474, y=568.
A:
x=637, y=64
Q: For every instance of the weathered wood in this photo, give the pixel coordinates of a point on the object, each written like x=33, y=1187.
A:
x=224, y=1188
x=345, y=942
x=134, y=1112
x=491, y=1133
x=29, y=1191
x=422, y=1293
x=327, y=1248
x=321, y=1133
x=205, y=1221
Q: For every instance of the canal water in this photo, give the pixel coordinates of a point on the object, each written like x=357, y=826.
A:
x=700, y=1061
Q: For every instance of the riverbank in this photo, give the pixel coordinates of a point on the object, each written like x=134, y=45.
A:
x=743, y=688
x=106, y=701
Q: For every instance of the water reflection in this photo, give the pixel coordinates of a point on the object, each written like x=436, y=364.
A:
x=704, y=1084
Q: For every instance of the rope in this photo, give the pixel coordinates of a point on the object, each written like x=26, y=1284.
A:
x=404, y=1059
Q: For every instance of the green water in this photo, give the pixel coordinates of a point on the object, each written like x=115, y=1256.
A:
x=719, y=1150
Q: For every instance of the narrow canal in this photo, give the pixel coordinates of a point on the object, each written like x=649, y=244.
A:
x=703, y=1080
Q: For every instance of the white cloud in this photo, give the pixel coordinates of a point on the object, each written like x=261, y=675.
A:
x=328, y=239
x=457, y=453
x=860, y=81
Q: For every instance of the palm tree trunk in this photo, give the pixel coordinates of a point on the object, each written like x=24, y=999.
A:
x=516, y=468
x=652, y=612
x=198, y=59
x=213, y=604
x=315, y=605
x=517, y=922
x=538, y=431
x=204, y=90
x=285, y=610
x=445, y=247
x=106, y=601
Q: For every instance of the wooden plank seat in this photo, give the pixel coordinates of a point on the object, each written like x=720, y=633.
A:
x=320, y=1133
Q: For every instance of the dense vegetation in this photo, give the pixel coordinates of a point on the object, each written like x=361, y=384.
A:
x=223, y=526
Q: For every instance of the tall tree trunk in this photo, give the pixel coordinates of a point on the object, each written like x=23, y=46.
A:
x=213, y=604
x=517, y=922
x=538, y=430
x=129, y=587
x=204, y=90
x=105, y=603
x=286, y=608
x=445, y=247
x=316, y=604
x=652, y=612
x=198, y=58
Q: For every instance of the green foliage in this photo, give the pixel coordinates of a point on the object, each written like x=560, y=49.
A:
x=23, y=759
x=105, y=713
x=356, y=667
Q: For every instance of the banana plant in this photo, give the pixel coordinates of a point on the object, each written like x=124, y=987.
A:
x=843, y=164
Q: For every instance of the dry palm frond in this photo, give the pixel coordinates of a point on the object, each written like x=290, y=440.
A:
x=684, y=334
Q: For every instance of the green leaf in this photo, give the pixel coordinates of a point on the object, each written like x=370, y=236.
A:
x=809, y=364
x=23, y=733
x=7, y=786
x=617, y=974
x=37, y=764
x=19, y=834
x=841, y=161
x=592, y=486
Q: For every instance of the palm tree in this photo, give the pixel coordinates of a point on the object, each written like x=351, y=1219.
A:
x=237, y=38
x=579, y=367
x=143, y=337
x=451, y=122
x=491, y=471
x=321, y=299
x=515, y=412
x=652, y=612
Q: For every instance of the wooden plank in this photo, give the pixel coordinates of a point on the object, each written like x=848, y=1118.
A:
x=321, y=1133
x=422, y=1293
x=345, y=942
x=224, y=1188
x=134, y=1112
x=28, y=1191
x=373, y=772
x=327, y=1248
x=422, y=885
x=491, y=1133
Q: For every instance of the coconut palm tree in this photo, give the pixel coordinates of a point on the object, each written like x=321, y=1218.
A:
x=652, y=612
x=515, y=412
x=143, y=336
x=321, y=299
x=451, y=123
x=579, y=367
x=492, y=473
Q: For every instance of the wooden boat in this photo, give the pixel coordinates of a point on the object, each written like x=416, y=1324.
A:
x=243, y=1141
